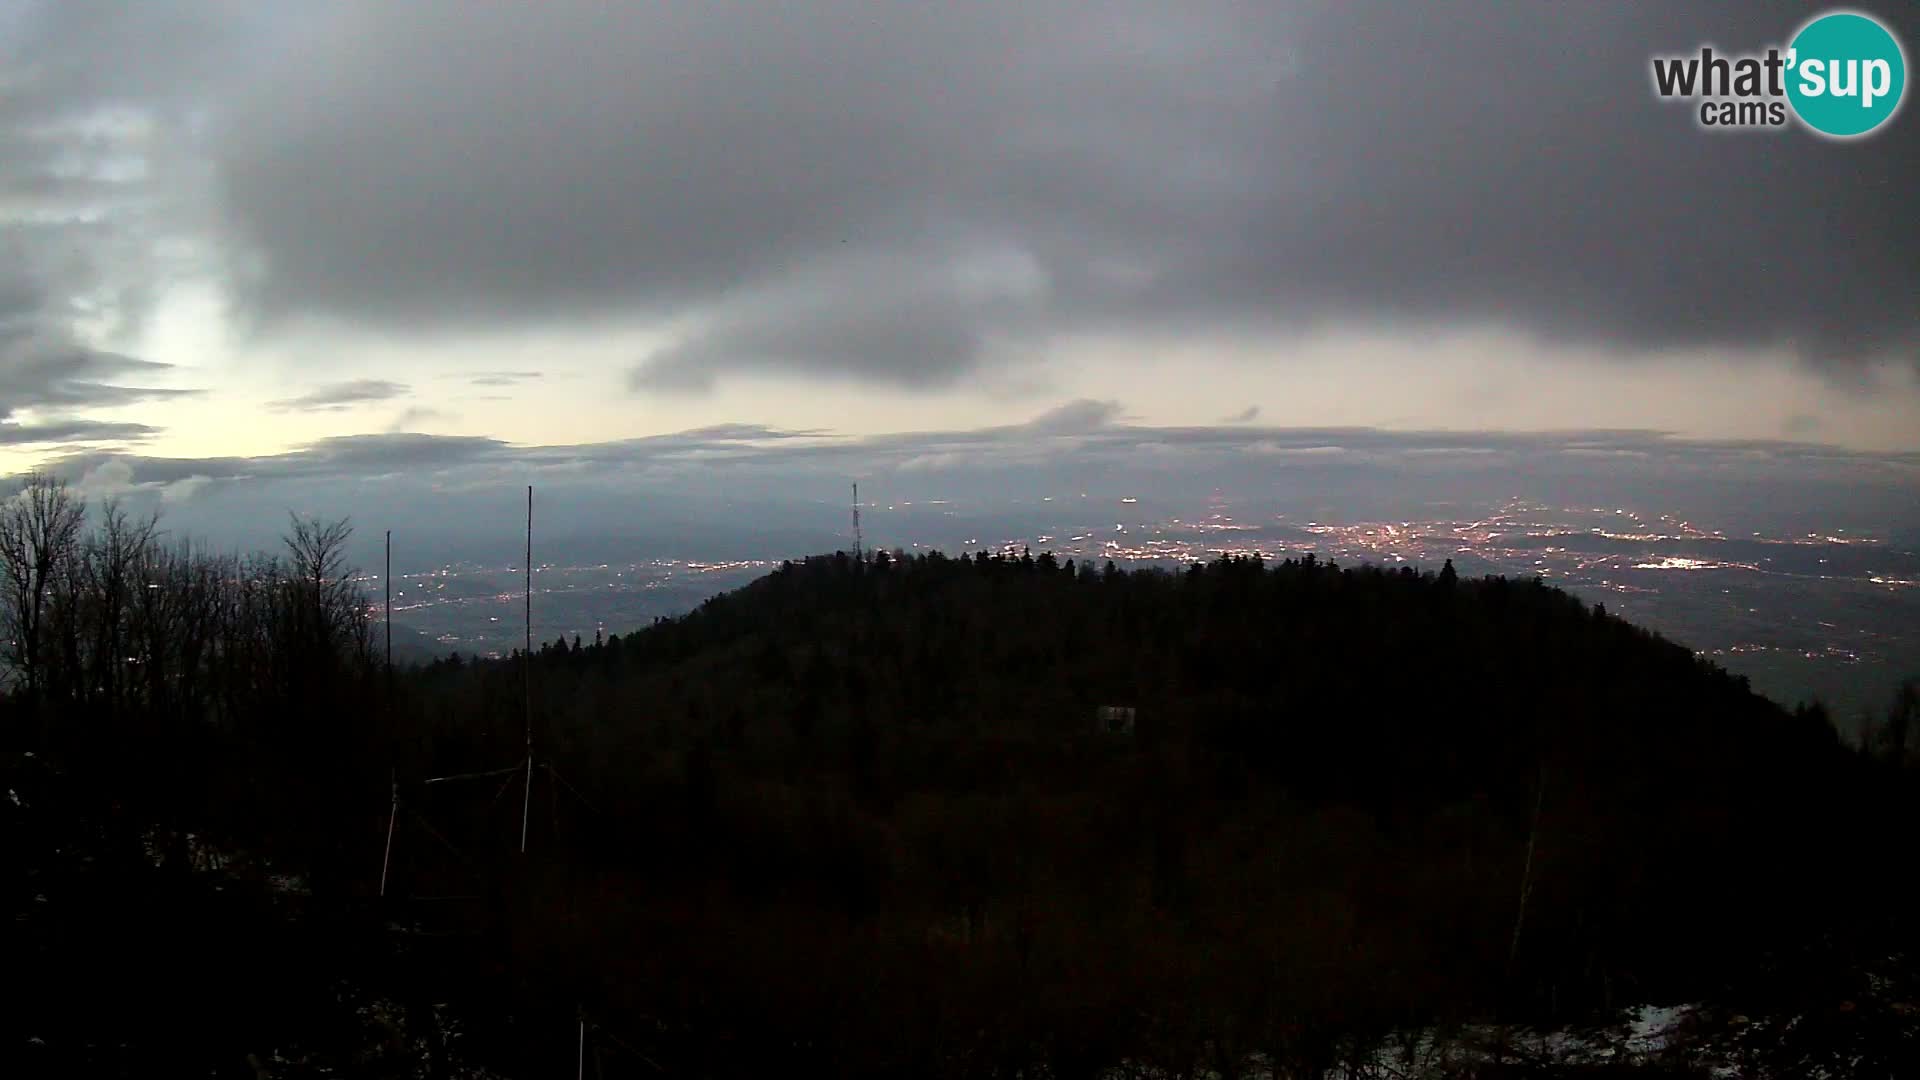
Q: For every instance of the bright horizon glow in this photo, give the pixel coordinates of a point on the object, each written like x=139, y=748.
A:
x=1465, y=381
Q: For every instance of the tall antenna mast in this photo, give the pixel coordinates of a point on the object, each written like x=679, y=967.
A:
x=387, y=580
x=393, y=772
x=526, y=678
x=856, y=521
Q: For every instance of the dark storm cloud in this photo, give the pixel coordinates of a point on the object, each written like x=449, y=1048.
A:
x=1245, y=416
x=904, y=193
x=341, y=395
x=1227, y=166
x=1512, y=160
x=911, y=346
x=66, y=56
x=891, y=317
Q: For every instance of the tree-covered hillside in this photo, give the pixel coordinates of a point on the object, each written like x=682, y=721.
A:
x=1353, y=799
x=985, y=816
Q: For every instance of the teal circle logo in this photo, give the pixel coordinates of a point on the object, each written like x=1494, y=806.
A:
x=1846, y=74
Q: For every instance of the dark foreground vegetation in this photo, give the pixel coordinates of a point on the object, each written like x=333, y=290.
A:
x=913, y=817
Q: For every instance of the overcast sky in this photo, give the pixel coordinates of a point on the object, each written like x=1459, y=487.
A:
x=247, y=240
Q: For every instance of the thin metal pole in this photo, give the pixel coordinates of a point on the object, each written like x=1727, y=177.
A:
x=526, y=804
x=580, y=1071
x=393, y=773
x=392, y=815
x=1526, y=875
x=529, y=584
x=387, y=580
x=526, y=678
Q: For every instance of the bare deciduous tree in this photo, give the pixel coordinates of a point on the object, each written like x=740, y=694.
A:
x=326, y=610
x=109, y=561
x=39, y=535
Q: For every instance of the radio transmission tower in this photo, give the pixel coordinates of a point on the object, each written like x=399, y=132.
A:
x=856, y=523
x=521, y=772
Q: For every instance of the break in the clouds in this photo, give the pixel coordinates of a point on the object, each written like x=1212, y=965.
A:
x=1072, y=436
x=1075, y=448
x=914, y=197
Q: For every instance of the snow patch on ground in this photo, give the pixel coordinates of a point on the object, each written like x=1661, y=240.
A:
x=1645, y=1036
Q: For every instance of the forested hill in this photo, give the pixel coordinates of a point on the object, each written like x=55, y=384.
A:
x=1377, y=687
x=1352, y=798
x=929, y=816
